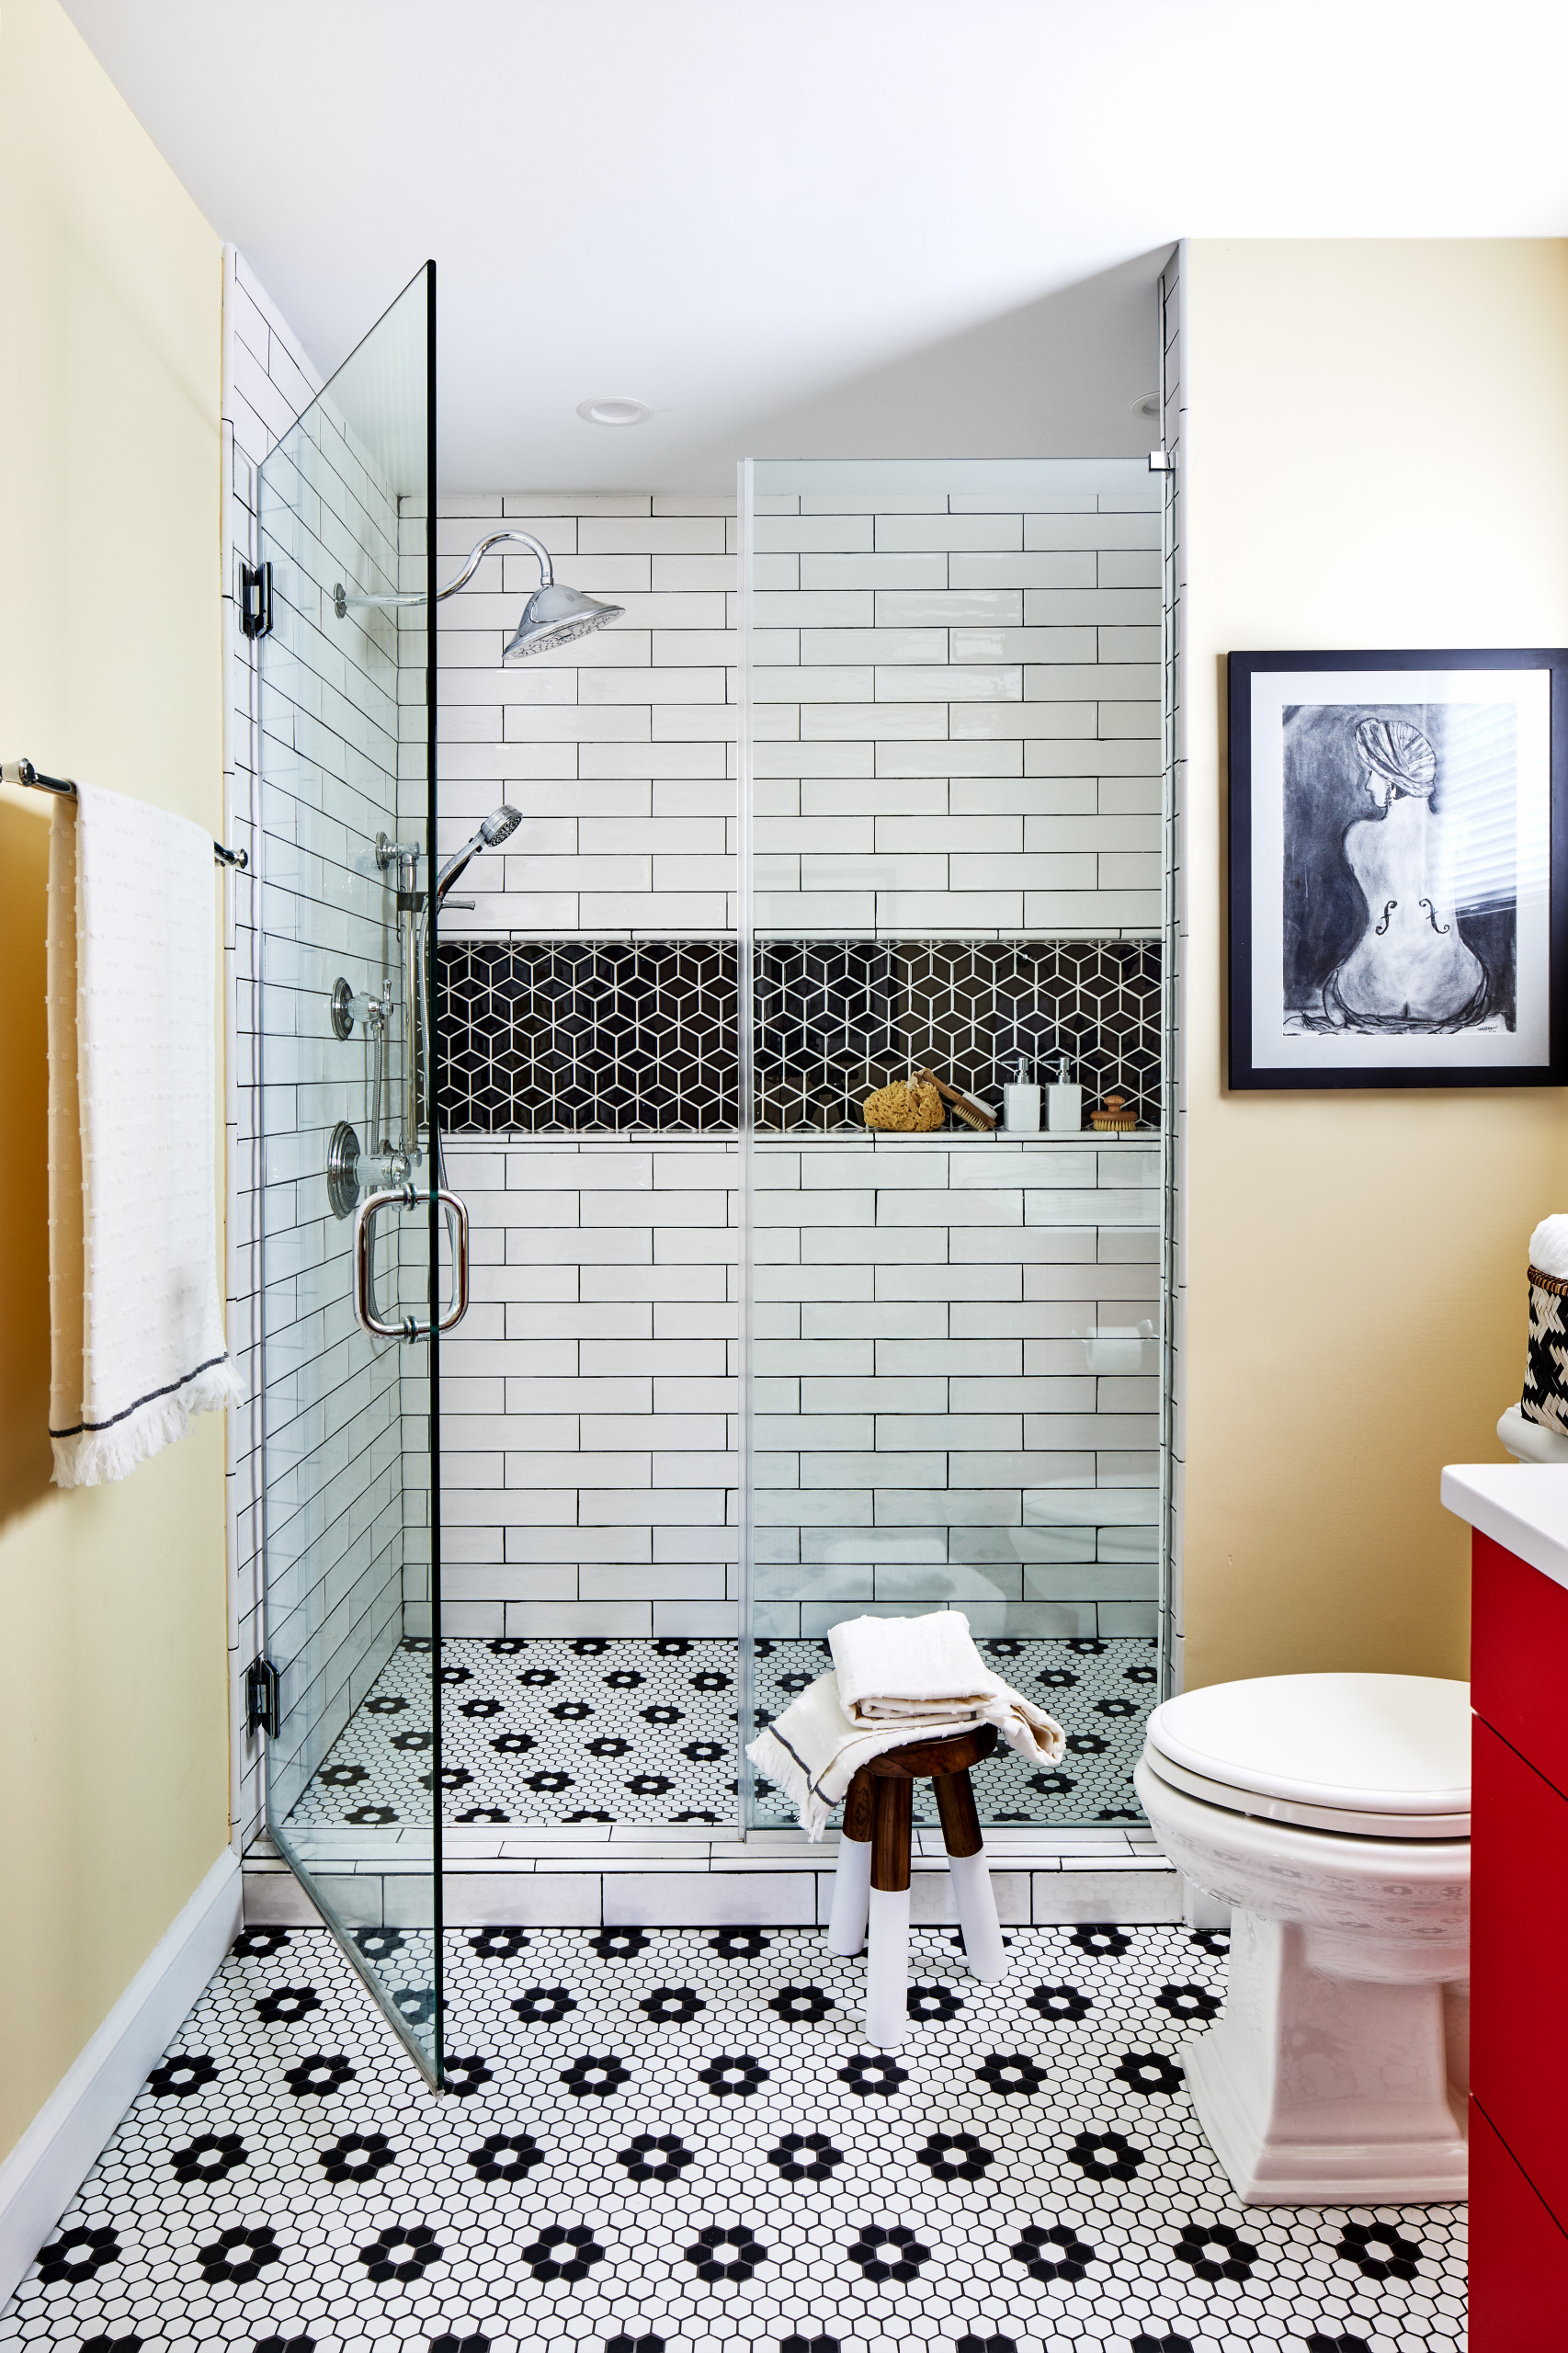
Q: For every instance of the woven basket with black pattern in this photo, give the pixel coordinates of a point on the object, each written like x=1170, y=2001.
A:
x=1546, y=1368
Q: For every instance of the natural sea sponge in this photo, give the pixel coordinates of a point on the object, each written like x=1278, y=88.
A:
x=906, y=1106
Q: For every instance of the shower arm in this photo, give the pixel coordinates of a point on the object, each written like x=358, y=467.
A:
x=343, y=604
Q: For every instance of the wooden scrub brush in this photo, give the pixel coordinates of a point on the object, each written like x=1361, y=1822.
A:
x=974, y=1115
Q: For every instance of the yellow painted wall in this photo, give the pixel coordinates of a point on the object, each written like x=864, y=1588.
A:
x=113, y=1734
x=1377, y=455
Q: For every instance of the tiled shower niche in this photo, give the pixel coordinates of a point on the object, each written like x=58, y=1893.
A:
x=583, y=1037
x=836, y=1017
x=587, y=1037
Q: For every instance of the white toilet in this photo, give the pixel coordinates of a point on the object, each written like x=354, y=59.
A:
x=1332, y=1813
x=1529, y=1441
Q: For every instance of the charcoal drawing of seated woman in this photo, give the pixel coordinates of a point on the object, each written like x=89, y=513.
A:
x=1410, y=971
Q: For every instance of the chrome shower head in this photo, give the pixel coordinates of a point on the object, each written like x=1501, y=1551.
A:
x=554, y=615
x=498, y=826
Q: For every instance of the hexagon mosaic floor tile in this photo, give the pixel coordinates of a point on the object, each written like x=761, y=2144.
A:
x=593, y=1729
x=669, y=2138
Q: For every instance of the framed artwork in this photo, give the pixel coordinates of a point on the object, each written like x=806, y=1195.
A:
x=1399, y=869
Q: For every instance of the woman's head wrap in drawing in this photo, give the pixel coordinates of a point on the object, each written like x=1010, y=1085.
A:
x=1399, y=752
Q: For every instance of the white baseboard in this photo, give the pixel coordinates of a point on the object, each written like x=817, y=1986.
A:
x=49, y=2164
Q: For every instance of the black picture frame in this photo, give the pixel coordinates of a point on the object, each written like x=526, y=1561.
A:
x=1314, y=1053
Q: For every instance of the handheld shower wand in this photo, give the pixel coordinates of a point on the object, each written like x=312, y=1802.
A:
x=499, y=826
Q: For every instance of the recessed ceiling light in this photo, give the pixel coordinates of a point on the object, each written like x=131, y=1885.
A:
x=614, y=412
x=1148, y=406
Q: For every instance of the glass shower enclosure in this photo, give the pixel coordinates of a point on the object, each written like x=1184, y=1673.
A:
x=355, y=1253
x=953, y=863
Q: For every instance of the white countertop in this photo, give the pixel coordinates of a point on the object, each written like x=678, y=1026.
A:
x=1521, y=1505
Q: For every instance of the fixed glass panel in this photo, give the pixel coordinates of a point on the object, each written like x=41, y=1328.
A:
x=355, y=1253
x=954, y=762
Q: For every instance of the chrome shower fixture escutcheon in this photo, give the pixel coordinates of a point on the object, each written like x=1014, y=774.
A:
x=348, y=1008
x=343, y=1170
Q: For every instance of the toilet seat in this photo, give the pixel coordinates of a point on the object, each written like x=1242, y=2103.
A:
x=1364, y=1756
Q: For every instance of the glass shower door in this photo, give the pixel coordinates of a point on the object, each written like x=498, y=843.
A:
x=953, y=770
x=355, y=1246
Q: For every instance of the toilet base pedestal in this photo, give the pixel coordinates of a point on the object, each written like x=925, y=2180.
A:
x=1324, y=2090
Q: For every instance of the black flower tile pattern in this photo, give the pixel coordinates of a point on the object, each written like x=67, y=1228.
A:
x=601, y=1037
x=1020, y=2178
x=599, y=1730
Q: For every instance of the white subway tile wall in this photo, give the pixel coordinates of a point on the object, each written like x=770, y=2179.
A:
x=588, y=1400
x=956, y=730
x=267, y=379
x=956, y=702
x=619, y=749
x=934, y=1422
x=956, y=727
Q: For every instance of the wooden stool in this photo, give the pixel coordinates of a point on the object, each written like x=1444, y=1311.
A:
x=870, y=1885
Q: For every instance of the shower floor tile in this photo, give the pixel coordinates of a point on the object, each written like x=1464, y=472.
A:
x=594, y=1729
x=675, y=2138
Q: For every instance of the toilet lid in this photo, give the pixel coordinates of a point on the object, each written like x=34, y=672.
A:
x=1384, y=1754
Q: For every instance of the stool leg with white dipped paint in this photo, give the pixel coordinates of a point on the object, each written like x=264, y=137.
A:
x=871, y=1886
x=973, y=1892
x=886, y=1941
x=852, y=1873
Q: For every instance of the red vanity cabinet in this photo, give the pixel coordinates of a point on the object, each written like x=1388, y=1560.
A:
x=1518, y=2145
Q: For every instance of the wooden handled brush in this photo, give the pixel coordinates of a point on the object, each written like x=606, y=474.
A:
x=974, y=1114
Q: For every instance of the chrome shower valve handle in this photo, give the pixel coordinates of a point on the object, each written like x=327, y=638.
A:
x=367, y=1309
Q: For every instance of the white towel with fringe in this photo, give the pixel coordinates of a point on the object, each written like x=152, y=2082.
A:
x=136, y=1324
x=815, y=1748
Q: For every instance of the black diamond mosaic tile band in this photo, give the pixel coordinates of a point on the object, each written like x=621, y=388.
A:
x=585, y=1037
x=836, y=1017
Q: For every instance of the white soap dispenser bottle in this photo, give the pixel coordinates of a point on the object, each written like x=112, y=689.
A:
x=1063, y=1103
x=1021, y=1103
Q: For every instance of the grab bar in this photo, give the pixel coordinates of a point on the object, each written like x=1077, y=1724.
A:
x=367, y=1309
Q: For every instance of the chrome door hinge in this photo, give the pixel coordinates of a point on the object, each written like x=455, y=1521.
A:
x=263, y=1712
x=1162, y=462
x=255, y=599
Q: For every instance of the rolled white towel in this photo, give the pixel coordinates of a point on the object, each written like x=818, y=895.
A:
x=896, y=1668
x=1549, y=1247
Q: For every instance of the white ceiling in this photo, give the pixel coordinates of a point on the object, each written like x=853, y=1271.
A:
x=817, y=227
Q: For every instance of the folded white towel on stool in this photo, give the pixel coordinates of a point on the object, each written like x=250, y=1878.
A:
x=890, y=1667
x=815, y=1748
x=136, y=1324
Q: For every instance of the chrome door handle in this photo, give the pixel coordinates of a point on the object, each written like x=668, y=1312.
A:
x=367, y=1309
x=457, y=1301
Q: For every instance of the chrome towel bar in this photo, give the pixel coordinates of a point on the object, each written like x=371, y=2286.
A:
x=24, y=772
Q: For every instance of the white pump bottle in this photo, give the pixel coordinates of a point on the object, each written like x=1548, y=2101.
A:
x=1063, y=1103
